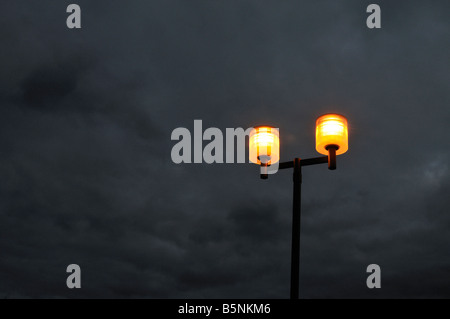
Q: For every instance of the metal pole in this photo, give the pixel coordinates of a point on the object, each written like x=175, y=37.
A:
x=295, y=249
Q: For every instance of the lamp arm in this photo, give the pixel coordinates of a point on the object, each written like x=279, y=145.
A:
x=330, y=159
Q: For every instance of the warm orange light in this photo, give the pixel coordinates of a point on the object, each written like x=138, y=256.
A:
x=331, y=129
x=264, y=145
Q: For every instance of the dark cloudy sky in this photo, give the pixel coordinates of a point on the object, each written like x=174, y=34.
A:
x=86, y=175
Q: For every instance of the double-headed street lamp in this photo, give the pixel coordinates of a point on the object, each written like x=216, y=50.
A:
x=264, y=150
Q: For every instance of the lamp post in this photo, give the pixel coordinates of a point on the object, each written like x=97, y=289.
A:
x=264, y=150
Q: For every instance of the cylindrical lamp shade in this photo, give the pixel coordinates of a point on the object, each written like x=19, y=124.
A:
x=264, y=145
x=331, y=129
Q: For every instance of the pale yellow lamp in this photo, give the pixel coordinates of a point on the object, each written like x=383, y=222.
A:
x=264, y=145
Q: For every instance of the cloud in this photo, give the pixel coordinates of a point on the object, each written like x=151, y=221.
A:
x=86, y=174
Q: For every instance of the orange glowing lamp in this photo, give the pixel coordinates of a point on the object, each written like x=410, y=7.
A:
x=264, y=145
x=331, y=133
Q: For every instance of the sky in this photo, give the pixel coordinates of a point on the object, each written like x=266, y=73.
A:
x=86, y=175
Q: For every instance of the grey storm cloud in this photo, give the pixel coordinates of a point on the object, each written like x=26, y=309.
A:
x=85, y=170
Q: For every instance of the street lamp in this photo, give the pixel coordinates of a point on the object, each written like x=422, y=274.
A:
x=264, y=150
x=264, y=147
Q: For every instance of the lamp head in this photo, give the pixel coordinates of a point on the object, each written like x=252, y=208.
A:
x=264, y=145
x=331, y=132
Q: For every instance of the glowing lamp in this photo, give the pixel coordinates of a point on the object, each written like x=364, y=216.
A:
x=264, y=145
x=331, y=133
